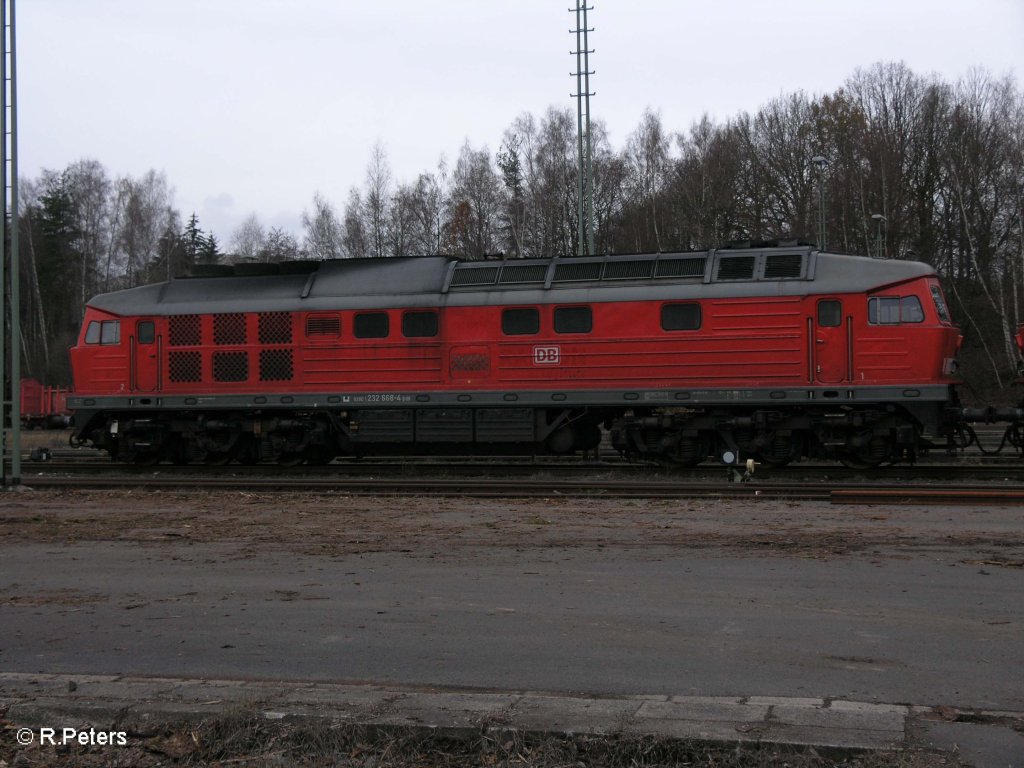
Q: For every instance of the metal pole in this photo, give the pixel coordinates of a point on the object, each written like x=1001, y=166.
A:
x=879, y=219
x=3, y=245
x=15, y=271
x=821, y=162
x=580, y=206
x=590, y=157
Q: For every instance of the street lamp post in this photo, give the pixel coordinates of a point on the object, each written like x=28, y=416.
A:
x=821, y=163
x=879, y=220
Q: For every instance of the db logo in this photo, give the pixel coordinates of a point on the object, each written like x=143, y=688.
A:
x=546, y=356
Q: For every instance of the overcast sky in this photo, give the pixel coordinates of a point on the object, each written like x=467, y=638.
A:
x=250, y=106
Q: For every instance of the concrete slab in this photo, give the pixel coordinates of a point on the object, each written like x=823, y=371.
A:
x=977, y=744
x=681, y=709
x=144, y=703
x=573, y=715
x=891, y=722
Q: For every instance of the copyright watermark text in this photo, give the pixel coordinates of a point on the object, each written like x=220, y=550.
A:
x=59, y=737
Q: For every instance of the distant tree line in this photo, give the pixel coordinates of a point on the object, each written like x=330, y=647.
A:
x=942, y=162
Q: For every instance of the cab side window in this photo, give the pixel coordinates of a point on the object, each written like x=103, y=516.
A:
x=147, y=332
x=893, y=310
x=103, y=332
x=830, y=313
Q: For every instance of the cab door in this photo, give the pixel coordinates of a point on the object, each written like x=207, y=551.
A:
x=831, y=347
x=145, y=356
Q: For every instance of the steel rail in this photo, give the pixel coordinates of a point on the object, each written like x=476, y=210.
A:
x=553, y=488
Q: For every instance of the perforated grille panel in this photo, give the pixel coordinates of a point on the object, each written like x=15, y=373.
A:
x=681, y=267
x=230, y=366
x=275, y=328
x=570, y=271
x=783, y=266
x=523, y=273
x=628, y=270
x=474, y=276
x=185, y=366
x=469, y=363
x=184, y=331
x=229, y=329
x=736, y=268
x=275, y=365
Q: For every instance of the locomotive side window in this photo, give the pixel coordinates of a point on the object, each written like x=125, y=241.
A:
x=911, y=310
x=419, y=324
x=147, y=332
x=110, y=332
x=520, y=322
x=892, y=310
x=92, y=333
x=573, y=320
x=371, y=325
x=940, y=304
x=830, y=313
x=680, y=317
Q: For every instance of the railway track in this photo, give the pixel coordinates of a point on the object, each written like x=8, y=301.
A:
x=605, y=488
x=1001, y=469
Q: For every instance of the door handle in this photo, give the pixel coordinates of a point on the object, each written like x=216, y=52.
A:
x=820, y=341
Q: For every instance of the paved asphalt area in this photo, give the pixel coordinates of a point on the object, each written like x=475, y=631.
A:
x=909, y=645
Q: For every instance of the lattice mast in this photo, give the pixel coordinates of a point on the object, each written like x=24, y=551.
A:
x=585, y=187
x=10, y=304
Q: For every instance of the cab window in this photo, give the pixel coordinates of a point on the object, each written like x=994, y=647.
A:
x=830, y=313
x=103, y=332
x=110, y=332
x=940, y=304
x=147, y=332
x=893, y=310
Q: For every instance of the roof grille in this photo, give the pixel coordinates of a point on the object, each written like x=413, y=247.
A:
x=736, y=268
x=692, y=267
x=577, y=271
x=629, y=270
x=523, y=273
x=475, y=275
x=783, y=266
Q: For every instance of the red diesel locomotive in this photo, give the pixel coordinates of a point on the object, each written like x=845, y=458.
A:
x=773, y=352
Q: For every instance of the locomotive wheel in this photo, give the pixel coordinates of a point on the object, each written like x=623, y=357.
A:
x=868, y=457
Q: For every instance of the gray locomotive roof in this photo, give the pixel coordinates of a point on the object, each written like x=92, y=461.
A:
x=430, y=281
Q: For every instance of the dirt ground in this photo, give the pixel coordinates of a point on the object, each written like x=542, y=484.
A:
x=328, y=524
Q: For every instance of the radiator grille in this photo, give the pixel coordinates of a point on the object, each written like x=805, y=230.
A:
x=275, y=328
x=229, y=329
x=183, y=367
x=185, y=331
x=230, y=366
x=275, y=365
